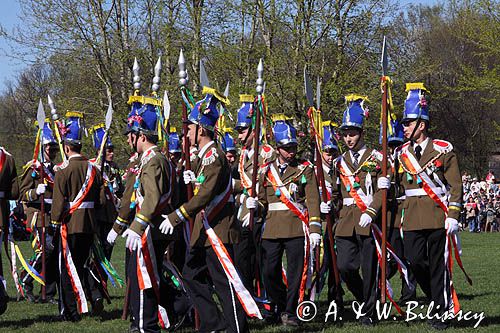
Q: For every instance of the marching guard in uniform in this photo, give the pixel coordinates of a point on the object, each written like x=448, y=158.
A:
x=214, y=230
x=229, y=147
x=247, y=252
x=433, y=188
x=32, y=186
x=358, y=171
x=395, y=212
x=9, y=190
x=288, y=192
x=77, y=193
x=154, y=193
x=329, y=154
x=113, y=187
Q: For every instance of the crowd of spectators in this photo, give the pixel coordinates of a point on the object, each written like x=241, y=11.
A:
x=482, y=203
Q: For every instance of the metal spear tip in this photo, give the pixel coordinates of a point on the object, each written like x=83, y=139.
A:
x=135, y=67
x=384, y=60
x=40, y=115
x=203, y=75
x=158, y=67
x=166, y=106
x=226, y=91
x=109, y=115
x=260, y=69
x=51, y=102
x=182, y=61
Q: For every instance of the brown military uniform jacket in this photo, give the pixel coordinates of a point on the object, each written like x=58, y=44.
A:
x=213, y=168
x=299, y=179
x=156, y=177
x=69, y=179
x=245, y=168
x=30, y=179
x=9, y=186
x=438, y=159
x=125, y=212
x=369, y=162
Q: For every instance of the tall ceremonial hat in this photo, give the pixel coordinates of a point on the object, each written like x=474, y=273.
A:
x=416, y=103
x=47, y=137
x=228, y=141
x=395, y=134
x=145, y=110
x=74, y=127
x=329, y=140
x=355, y=113
x=97, y=132
x=245, y=112
x=174, y=141
x=284, y=132
x=205, y=112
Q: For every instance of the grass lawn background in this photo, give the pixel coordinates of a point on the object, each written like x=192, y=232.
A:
x=481, y=258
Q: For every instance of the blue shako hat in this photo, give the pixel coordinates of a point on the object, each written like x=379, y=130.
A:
x=284, y=132
x=97, y=133
x=397, y=135
x=329, y=141
x=205, y=112
x=416, y=104
x=73, y=127
x=174, y=142
x=228, y=141
x=145, y=110
x=355, y=113
x=47, y=137
x=143, y=116
x=244, y=118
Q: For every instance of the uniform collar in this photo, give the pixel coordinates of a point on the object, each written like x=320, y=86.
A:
x=147, y=151
x=422, y=145
x=74, y=156
x=361, y=152
x=205, y=148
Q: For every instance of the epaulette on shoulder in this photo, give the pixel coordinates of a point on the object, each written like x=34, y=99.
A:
x=266, y=151
x=61, y=166
x=442, y=146
x=306, y=163
x=378, y=155
x=209, y=157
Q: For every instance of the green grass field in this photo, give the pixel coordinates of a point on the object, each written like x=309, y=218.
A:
x=481, y=259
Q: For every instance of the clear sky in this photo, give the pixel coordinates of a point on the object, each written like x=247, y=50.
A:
x=9, y=66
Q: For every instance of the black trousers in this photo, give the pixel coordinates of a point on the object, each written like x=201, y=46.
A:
x=51, y=270
x=247, y=255
x=201, y=271
x=144, y=304
x=424, y=249
x=357, y=252
x=334, y=293
x=394, y=238
x=286, y=299
x=79, y=245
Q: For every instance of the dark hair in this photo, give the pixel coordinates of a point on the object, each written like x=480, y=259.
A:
x=209, y=133
x=75, y=147
x=153, y=138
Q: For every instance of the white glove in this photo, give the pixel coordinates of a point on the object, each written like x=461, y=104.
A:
x=365, y=220
x=40, y=189
x=166, y=227
x=133, y=241
x=383, y=183
x=314, y=238
x=325, y=207
x=112, y=237
x=245, y=222
x=451, y=225
x=251, y=203
x=189, y=176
